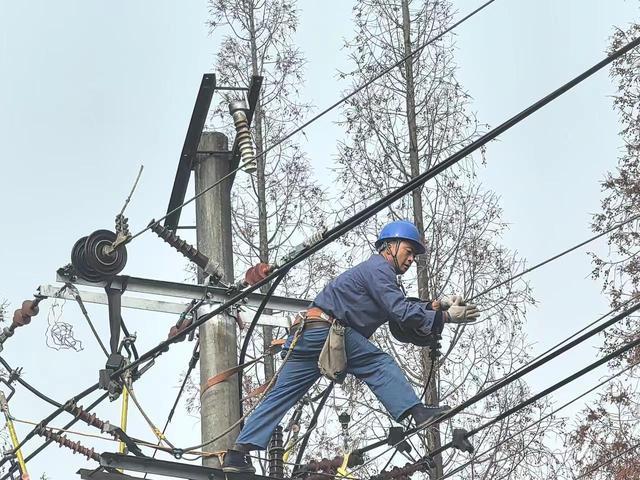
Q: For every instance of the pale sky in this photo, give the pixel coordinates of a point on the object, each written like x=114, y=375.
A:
x=90, y=90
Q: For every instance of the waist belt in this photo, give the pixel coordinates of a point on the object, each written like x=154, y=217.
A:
x=314, y=317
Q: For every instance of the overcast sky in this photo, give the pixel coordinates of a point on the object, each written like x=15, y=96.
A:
x=90, y=90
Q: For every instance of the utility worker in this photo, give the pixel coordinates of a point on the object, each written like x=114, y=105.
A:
x=362, y=298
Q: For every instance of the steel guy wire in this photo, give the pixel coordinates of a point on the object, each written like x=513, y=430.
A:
x=324, y=112
x=76, y=294
x=620, y=351
x=377, y=206
x=192, y=364
x=156, y=431
x=607, y=462
x=540, y=420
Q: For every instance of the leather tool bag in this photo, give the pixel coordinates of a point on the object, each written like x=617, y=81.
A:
x=333, y=357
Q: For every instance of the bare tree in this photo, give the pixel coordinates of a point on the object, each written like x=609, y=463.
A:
x=3, y=309
x=283, y=203
x=397, y=128
x=609, y=427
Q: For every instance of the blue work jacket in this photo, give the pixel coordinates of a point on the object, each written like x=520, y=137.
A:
x=368, y=295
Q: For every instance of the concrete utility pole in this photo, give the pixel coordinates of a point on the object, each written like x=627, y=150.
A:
x=218, y=351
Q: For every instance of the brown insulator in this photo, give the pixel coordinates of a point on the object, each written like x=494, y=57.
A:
x=257, y=273
x=405, y=472
x=19, y=319
x=63, y=441
x=89, y=418
x=30, y=307
x=192, y=253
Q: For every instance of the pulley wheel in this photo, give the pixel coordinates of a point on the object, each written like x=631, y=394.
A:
x=79, y=262
x=106, y=264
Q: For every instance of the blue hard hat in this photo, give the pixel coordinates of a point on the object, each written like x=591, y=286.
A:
x=401, y=230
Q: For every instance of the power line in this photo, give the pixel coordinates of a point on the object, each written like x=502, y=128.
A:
x=497, y=386
x=325, y=111
x=28, y=386
x=398, y=193
x=371, y=210
x=12, y=469
x=555, y=257
x=540, y=420
x=618, y=352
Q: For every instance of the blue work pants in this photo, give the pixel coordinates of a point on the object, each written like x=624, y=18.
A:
x=364, y=360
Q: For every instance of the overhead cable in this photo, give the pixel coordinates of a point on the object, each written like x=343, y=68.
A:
x=536, y=422
x=376, y=207
x=13, y=468
x=28, y=386
x=398, y=193
x=555, y=257
x=530, y=367
x=618, y=352
x=323, y=112
x=607, y=358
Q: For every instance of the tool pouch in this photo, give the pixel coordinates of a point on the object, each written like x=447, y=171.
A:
x=333, y=357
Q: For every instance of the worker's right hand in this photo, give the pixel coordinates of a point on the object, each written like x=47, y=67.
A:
x=447, y=302
x=462, y=314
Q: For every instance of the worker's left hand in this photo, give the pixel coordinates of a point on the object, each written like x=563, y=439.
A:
x=447, y=302
x=461, y=314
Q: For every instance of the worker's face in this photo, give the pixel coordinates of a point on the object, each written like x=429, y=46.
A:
x=404, y=253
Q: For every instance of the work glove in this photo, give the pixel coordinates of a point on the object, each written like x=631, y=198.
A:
x=461, y=314
x=447, y=302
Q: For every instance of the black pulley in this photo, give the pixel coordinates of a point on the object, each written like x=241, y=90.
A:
x=80, y=264
x=93, y=258
x=412, y=335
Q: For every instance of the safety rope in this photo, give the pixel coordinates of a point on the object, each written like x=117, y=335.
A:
x=156, y=431
x=294, y=341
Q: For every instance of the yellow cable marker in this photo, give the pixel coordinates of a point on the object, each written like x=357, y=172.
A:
x=342, y=471
x=123, y=416
x=14, y=437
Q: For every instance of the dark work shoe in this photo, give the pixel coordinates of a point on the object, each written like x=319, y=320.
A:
x=237, y=462
x=422, y=414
